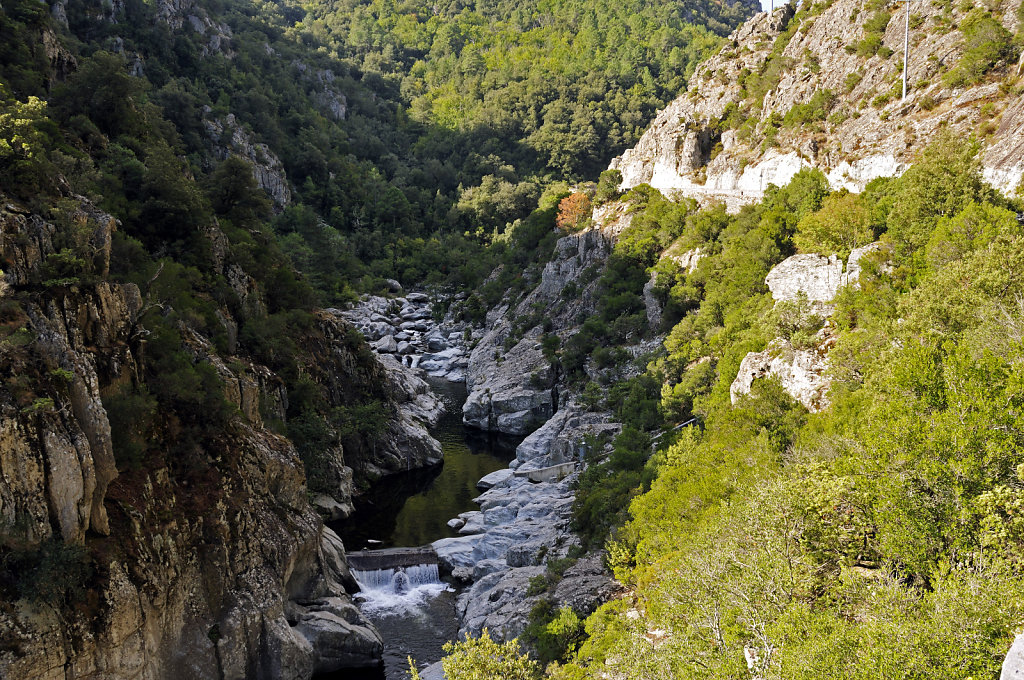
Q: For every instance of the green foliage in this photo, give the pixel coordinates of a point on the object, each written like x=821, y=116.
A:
x=874, y=31
x=945, y=179
x=131, y=412
x=986, y=43
x=841, y=225
x=484, y=659
x=879, y=538
x=24, y=141
x=553, y=632
x=816, y=109
x=54, y=573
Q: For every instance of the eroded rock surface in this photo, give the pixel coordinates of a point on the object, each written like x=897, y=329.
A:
x=519, y=527
x=213, y=566
x=802, y=373
x=685, y=149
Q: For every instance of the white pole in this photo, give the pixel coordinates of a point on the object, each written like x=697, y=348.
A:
x=906, y=47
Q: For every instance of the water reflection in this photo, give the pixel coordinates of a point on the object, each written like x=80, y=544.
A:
x=413, y=508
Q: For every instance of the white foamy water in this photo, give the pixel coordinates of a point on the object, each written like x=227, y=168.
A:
x=398, y=592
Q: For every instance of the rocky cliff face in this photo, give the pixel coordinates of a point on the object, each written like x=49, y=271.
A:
x=512, y=386
x=229, y=137
x=212, y=565
x=700, y=146
x=803, y=372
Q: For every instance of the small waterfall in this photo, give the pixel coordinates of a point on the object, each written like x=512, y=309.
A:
x=398, y=581
x=403, y=591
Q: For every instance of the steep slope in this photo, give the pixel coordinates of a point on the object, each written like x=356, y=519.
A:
x=821, y=87
x=171, y=400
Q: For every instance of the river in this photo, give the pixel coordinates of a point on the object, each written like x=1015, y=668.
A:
x=412, y=509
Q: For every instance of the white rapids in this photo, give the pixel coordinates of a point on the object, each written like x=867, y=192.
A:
x=398, y=592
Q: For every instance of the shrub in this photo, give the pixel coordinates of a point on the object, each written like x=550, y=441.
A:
x=986, y=43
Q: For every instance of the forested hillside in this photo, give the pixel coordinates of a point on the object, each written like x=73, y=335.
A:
x=871, y=530
x=877, y=537
x=183, y=186
x=401, y=127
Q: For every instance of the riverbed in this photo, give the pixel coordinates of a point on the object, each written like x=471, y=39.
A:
x=412, y=509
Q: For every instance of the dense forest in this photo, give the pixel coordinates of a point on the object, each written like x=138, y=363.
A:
x=412, y=134
x=879, y=537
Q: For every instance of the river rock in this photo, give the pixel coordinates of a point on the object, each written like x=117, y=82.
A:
x=563, y=438
x=404, y=348
x=494, y=479
x=499, y=602
x=418, y=297
x=340, y=636
x=434, y=671
x=387, y=344
x=456, y=523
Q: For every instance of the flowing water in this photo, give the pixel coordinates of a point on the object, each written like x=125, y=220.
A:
x=413, y=609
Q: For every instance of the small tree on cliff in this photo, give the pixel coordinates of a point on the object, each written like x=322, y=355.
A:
x=574, y=212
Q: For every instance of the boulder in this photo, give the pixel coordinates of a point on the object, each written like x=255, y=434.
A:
x=817, y=277
x=387, y=344
x=340, y=636
x=494, y=479
x=434, y=671
x=801, y=372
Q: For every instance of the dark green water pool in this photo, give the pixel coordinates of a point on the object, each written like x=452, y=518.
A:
x=413, y=508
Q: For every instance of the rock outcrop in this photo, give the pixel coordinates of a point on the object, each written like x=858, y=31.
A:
x=512, y=386
x=816, y=278
x=520, y=526
x=210, y=562
x=230, y=138
x=802, y=373
x=688, y=148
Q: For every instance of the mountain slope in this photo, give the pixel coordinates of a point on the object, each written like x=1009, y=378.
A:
x=821, y=88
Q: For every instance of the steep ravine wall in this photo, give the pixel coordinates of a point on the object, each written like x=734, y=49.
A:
x=205, y=567
x=688, y=149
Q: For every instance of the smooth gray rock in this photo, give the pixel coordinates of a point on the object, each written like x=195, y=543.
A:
x=434, y=671
x=1013, y=664
x=387, y=344
x=494, y=479
x=340, y=636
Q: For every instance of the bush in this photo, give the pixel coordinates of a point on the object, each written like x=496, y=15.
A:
x=54, y=573
x=131, y=411
x=986, y=43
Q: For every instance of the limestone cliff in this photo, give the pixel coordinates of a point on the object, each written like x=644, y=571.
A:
x=822, y=89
